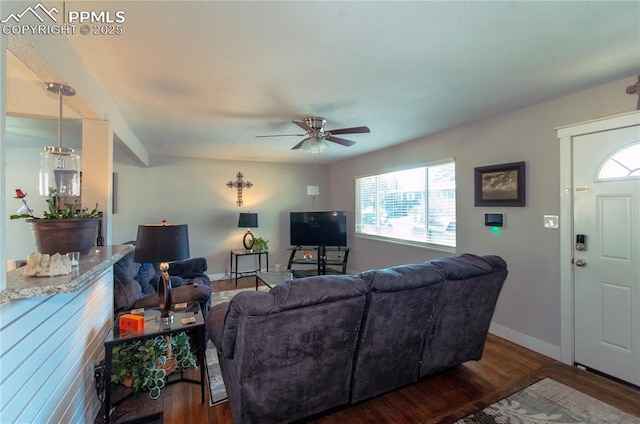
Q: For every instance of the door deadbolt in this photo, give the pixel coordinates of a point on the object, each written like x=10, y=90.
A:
x=581, y=263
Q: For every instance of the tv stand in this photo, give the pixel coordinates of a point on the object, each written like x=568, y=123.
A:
x=324, y=259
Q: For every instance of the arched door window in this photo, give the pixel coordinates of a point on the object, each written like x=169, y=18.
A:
x=621, y=164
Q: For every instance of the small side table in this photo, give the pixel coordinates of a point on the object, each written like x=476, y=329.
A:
x=154, y=328
x=233, y=267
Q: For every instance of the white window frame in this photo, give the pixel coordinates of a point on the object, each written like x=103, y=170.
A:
x=626, y=159
x=370, y=220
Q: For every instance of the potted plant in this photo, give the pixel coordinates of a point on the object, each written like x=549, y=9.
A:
x=143, y=365
x=63, y=228
x=260, y=244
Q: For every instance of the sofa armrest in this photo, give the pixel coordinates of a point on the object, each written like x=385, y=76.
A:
x=184, y=294
x=215, y=324
x=188, y=268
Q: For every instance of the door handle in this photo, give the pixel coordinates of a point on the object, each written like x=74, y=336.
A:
x=581, y=263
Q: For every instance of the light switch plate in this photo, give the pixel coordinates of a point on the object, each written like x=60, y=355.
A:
x=551, y=221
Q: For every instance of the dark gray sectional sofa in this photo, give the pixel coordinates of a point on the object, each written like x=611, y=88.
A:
x=323, y=342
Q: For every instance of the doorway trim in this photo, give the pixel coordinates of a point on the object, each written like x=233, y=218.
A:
x=566, y=135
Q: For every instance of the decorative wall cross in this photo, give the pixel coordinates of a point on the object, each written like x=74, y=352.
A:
x=238, y=184
x=635, y=89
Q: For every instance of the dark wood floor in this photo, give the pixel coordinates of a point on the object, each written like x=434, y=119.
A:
x=444, y=398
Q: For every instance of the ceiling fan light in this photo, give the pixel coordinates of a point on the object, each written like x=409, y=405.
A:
x=314, y=145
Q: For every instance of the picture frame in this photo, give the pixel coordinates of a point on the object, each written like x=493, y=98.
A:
x=500, y=185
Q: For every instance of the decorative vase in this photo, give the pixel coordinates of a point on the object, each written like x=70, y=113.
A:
x=65, y=235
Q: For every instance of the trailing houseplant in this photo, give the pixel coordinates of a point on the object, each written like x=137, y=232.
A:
x=260, y=244
x=63, y=227
x=144, y=364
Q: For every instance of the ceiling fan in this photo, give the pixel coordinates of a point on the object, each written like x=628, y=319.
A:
x=317, y=136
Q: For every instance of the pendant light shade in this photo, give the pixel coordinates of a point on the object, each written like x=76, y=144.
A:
x=59, y=166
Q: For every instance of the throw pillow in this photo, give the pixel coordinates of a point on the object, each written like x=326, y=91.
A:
x=144, y=276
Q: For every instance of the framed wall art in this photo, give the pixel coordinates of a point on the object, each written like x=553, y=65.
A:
x=500, y=185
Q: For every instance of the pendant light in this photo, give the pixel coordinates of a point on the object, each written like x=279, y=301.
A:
x=59, y=166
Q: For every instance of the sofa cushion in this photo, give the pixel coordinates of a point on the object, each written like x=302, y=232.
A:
x=190, y=268
x=126, y=289
x=464, y=310
x=298, y=293
x=295, y=342
x=183, y=272
x=402, y=277
x=399, y=311
x=316, y=290
x=144, y=277
x=468, y=265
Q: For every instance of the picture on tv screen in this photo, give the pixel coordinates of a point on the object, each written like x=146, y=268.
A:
x=319, y=228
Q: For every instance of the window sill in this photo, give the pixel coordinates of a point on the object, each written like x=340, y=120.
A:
x=423, y=245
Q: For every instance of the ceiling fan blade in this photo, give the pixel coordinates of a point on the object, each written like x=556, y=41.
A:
x=342, y=141
x=354, y=130
x=302, y=125
x=299, y=145
x=281, y=135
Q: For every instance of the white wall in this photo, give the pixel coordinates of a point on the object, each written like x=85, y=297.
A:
x=194, y=192
x=528, y=310
x=23, y=166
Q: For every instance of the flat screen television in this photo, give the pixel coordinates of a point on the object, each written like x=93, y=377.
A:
x=319, y=228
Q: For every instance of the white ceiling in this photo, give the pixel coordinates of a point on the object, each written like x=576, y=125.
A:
x=202, y=79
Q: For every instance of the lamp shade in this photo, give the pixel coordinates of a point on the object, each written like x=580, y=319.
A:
x=248, y=220
x=162, y=243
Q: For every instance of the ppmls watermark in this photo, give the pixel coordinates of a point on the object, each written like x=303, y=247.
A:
x=38, y=20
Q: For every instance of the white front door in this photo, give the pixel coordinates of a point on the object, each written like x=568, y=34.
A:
x=606, y=205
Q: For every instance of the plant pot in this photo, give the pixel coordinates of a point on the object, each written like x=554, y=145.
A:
x=64, y=235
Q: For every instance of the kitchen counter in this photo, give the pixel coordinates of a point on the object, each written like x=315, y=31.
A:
x=90, y=267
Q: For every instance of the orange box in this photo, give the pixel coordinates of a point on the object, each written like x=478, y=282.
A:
x=130, y=322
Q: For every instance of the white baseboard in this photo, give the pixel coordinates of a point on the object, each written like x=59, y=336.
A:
x=219, y=276
x=529, y=342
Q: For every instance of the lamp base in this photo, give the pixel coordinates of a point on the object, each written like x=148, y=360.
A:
x=248, y=241
x=166, y=320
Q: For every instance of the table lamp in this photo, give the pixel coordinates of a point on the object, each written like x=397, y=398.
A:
x=162, y=243
x=248, y=221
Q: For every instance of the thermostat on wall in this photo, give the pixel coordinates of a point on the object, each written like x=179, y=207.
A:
x=494, y=220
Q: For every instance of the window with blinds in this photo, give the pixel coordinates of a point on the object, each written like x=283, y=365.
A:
x=416, y=205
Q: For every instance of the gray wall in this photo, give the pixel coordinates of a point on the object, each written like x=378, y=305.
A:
x=528, y=310
x=194, y=191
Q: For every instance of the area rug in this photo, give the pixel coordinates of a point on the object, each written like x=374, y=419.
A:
x=216, y=385
x=549, y=402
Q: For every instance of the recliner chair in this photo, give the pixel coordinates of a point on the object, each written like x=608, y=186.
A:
x=134, y=284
